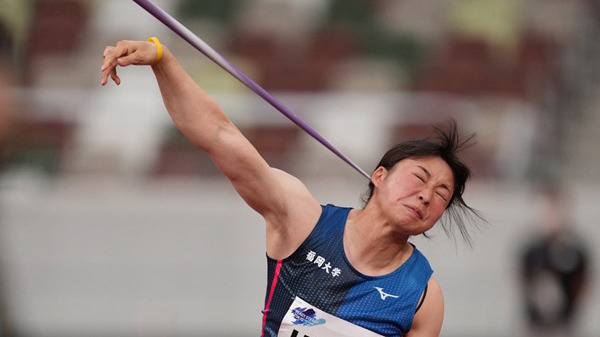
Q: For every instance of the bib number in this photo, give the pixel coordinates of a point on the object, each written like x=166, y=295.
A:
x=305, y=320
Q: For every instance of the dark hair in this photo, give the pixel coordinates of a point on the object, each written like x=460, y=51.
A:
x=445, y=145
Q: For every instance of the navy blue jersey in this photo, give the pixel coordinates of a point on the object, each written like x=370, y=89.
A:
x=316, y=289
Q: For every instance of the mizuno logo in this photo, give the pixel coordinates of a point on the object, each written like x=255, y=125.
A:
x=383, y=294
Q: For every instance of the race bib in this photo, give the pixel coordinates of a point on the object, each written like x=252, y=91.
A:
x=305, y=320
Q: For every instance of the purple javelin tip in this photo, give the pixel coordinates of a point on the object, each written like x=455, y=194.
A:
x=213, y=55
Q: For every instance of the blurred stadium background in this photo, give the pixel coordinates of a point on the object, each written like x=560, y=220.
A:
x=112, y=224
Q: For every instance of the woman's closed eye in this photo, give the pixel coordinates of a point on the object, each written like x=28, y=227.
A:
x=442, y=195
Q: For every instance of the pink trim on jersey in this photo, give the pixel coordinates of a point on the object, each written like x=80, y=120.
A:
x=271, y=292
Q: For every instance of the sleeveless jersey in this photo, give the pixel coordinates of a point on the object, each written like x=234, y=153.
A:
x=316, y=292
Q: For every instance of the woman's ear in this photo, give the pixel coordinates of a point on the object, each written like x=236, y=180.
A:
x=378, y=175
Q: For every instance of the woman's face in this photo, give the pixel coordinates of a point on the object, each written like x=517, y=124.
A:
x=414, y=193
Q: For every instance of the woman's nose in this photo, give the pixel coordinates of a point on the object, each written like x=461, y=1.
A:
x=425, y=196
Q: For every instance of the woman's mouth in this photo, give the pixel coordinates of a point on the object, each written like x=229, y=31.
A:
x=416, y=211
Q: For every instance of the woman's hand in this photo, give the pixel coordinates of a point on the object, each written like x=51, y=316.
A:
x=125, y=53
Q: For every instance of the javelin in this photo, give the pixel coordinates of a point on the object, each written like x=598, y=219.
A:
x=205, y=49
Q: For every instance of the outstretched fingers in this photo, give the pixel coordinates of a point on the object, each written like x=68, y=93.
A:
x=109, y=64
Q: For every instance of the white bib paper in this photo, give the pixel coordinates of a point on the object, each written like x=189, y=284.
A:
x=305, y=320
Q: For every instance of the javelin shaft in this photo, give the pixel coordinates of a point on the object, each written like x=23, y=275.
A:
x=213, y=55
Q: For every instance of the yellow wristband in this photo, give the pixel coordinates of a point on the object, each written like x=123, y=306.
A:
x=159, y=51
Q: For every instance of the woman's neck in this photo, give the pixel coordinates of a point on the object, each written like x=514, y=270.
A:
x=372, y=246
